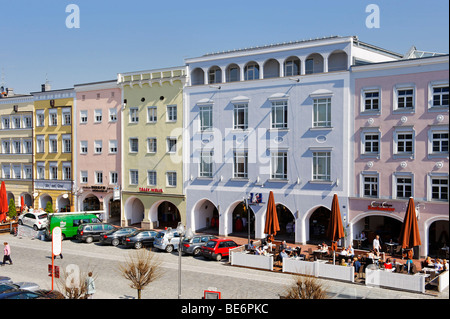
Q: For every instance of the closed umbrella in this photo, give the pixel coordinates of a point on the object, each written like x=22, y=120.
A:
x=409, y=233
x=272, y=226
x=22, y=204
x=4, y=207
x=335, y=229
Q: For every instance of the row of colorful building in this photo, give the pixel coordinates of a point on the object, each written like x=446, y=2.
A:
x=305, y=120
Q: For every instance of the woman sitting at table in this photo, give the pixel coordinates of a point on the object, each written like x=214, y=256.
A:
x=445, y=265
x=438, y=266
x=343, y=263
x=428, y=262
x=387, y=264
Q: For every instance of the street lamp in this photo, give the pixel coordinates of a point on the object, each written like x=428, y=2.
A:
x=183, y=234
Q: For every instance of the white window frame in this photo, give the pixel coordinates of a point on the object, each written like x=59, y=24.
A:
x=133, y=141
x=171, y=179
x=134, y=177
x=98, y=177
x=6, y=171
x=27, y=121
x=321, y=176
x=152, y=114
x=84, y=177
x=112, y=114
x=83, y=117
x=364, y=141
x=67, y=171
x=113, y=178
x=277, y=123
x=172, y=148
x=6, y=146
x=152, y=174
x=152, y=145
x=17, y=171
x=16, y=122
x=40, y=144
x=53, y=171
x=395, y=183
x=240, y=110
x=431, y=87
x=16, y=146
x=28, y=172
x=98, y=147
x=438, y=129
x=240, y=157
x=206, y=111
x=6, y=123
x=66, y=117
x=53, y=144
x=134, y=115
x=98, y=116
x=401, y=143
x=84, y=147
x=318, y=104
x=40, y=118
x=364, y=99
x=275, y=157
x=113, y=148
x=206, y=164
x=53, y=117
x=171, y=114
x=67, y=143
x=28, y=146
x=396, y=102
x=40, y=170
x=437, y=176
x=372, y=175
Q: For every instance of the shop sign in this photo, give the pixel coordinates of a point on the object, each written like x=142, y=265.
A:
x=150, y=190
x=381, y=206
x=57, y=185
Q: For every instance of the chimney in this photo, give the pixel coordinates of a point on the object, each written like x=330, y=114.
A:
x=9, y=92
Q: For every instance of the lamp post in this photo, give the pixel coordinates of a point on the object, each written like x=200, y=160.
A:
x=183, y=234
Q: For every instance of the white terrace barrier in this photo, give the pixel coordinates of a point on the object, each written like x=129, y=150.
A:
x=242, y=258
x=382, y=278
x=443, y=281
x=319, y=269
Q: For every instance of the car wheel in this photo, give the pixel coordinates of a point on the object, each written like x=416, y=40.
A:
x=35, y=228
x=115, y=242
x=89, y=240
x=169, y=248
x=138, y=245
x=196, y=252
x=219, y=257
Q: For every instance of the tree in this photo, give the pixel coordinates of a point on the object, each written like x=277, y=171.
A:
x=12, y=209
x=72, y=282
x=49, y=207
x=305, y=287
x=141, y=268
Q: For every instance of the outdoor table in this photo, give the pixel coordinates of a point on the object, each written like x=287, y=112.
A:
x=359, y=240
x=428, y=269
x=319, y=253
x=391, y=247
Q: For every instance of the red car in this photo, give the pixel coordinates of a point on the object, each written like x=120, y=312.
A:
x=218, y=248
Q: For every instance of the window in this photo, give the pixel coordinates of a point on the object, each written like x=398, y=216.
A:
x=53, y=118
x=171, y=113
x=40, y=144
x=292, y=67
x=28, y=171
x=240, y=164
x=27, y=146
x=403, y=186
x=322, y=112
x=113, y=114
x=215, y=75
x=66, y=118
x=171, y=145
x=151, y=178
x=134, y=145
x=6, y=147
x=134, y=177
x=321, y=166
x=206, y=119
x=53, y=171
x=151, y=145
x=67, y=171
x=53, y=144
x=112, y=146
x=371, y=143
x=84, y=177
x=233, y=73
x=83, y=117
x=27, y=121
x=151, y=114
x=16, y=146
x=16, y=122
x=113, y=178
x=98, y=116
x=405, y=143
x=40, y=173
x=83, y=147
x=134, y=116
x=370, y=185
x=98, y=147
x=279, y=114
x=309, y=66
x=251, y=71
x=40, y=118
x=67, y=144
x=172, y=179
x=240, y=116
x=278, y=165
x=5, y=122
x=439, y=188
x=206, y=164
x=439, y=142
x=17, y=172
x=405, y=99
x=371, y=101
x=6, y=171
x=440, y=96
x=98, y=177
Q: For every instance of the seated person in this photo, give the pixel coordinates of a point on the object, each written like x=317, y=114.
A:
x=350, y=251
x=283, y=245
x=251, y=246
x=324, y=247
x=343, y=263
x=409, y=264
x=428, y=262
x=387, y=264
x=258, y=250
x=350, y=262
x=344, y=252
x=438, y=266
x=283, y=254
x=445, y=265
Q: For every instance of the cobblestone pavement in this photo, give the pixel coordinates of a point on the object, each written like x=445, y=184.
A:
x=32, y=256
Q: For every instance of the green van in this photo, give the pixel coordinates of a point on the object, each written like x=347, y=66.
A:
x=69, y=222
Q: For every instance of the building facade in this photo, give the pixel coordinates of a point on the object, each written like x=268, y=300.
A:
x=275, y=118
x=98, y=147
x=152, y=170
x=53, y=149
x=16, y=138
x=401, y=149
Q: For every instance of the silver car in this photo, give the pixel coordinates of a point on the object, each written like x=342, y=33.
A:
x=193, y=246
x=167, y=240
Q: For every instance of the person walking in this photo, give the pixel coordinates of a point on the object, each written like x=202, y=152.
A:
x=90, y=286
x=7, y=254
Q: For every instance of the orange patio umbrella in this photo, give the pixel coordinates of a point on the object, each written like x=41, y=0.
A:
x=272, y=226
x=4, y=207
x=409, y=234
x=335, y=229
x=22, y=204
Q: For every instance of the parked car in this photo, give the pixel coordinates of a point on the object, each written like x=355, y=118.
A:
x=115, y=236
x=218, y=248
x=140, y=238
x=36, y=220
x=30, y=286
x=4, y=279
x=193, y=246
x=69, y=223
x=167, y=240
x=90, y=232
x=21, y=294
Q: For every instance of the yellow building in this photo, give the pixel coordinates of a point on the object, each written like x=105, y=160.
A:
x=53, y=169
x=152, y=161
x=16, y=148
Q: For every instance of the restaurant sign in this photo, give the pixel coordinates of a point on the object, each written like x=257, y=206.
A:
x=381, y=206
x=150, y=190
x=53, y=185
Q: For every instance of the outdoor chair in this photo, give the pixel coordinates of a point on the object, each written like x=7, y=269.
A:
x=414, y=269
x=310, y=254
x=397, y=252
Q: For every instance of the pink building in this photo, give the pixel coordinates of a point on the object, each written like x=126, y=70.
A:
x=401, y=150
x=97, y=147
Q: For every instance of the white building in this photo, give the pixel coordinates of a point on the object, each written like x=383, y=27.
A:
x=273, y=118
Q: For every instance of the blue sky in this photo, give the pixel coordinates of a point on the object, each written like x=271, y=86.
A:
x=122, y=36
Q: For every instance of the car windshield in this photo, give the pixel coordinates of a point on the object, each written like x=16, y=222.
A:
x=42, y=216
x=211, y=244
x=160, y=234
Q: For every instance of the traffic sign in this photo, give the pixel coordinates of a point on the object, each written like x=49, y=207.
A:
x=56, y=241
